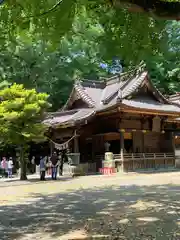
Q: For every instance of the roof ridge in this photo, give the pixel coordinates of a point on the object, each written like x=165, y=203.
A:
x=91, y=81
x=135, y=75
x=174, y=96
x=79, y=88
x=61, y=113
x=93, y=84
x=132, y=84
x=113, y=80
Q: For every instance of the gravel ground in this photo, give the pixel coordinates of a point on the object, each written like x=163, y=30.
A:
x=128, y=207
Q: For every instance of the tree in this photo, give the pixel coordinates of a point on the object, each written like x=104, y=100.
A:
x=165, y=66
x=96, y=45
x=37, y=65
x=133, y=34
x=21, y=113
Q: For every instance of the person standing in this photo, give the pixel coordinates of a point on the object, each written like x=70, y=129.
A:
x=42, y=168
x=49, y=166
x=33, y=165
x=10, y=167
x=54, y=166
x=4, y=166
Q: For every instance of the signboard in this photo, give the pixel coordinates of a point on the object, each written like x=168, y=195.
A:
x=156, y=124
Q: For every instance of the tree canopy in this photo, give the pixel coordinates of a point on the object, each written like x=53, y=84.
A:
x=21, y=113
x=132, y=34
x=91, y=50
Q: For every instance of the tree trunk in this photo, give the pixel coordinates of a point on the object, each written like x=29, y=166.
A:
x=23, y=164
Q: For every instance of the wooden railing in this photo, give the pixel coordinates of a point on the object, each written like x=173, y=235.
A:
x=140, y=156
x=142, y=161
x=143, y=156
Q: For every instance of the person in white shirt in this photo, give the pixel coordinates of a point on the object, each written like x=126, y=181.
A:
x=10, y=167
x=33, y=165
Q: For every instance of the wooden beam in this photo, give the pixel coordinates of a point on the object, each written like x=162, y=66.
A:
x=142, y=111
x=125, y=109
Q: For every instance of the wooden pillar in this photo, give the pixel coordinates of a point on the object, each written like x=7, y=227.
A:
x=174, y=148
x=122, y=150
x=143, y=146
x=173, y=142
x=51, y=148
x=76, y=144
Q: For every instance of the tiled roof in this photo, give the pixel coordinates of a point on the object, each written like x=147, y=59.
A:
x=80, y=90
x=151, y=105
x=68, y=117
x=117, y=90
x=175, y=98
x=107, y=92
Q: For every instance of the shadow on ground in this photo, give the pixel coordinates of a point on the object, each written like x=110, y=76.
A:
x=17, y=182
x=124, y=212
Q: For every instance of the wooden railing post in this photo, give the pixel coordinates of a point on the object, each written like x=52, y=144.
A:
x=132, y=156
x=154, y=160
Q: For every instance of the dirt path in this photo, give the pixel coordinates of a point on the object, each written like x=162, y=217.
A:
x=117, y=207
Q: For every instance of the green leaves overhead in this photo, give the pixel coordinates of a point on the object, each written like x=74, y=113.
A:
x=99, y=34
x=45, y=18
x=133, y=35
x=165, y=66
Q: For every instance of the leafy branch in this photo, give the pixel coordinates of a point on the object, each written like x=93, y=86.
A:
x=52, y=9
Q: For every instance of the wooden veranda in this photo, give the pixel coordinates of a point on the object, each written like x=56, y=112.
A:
x=142, y=161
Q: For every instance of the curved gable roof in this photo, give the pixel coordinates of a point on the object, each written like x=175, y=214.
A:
x=78, y=93
x=108, y=92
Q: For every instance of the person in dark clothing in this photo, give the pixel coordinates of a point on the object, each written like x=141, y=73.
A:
x=54, y=165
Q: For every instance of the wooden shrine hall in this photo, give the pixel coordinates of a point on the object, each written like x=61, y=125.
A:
x=125, y=115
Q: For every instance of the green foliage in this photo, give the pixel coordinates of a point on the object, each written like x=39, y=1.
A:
x=98, y=35
x=129, y=36
x=37, y=66
x=165, y=66
x=42, y=17
x=21, y=112
x=132, y=35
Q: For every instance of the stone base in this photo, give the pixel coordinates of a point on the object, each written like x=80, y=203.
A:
x=79, y=170
x=177, y=163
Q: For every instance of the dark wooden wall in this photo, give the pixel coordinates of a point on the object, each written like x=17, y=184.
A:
x=152, y=142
